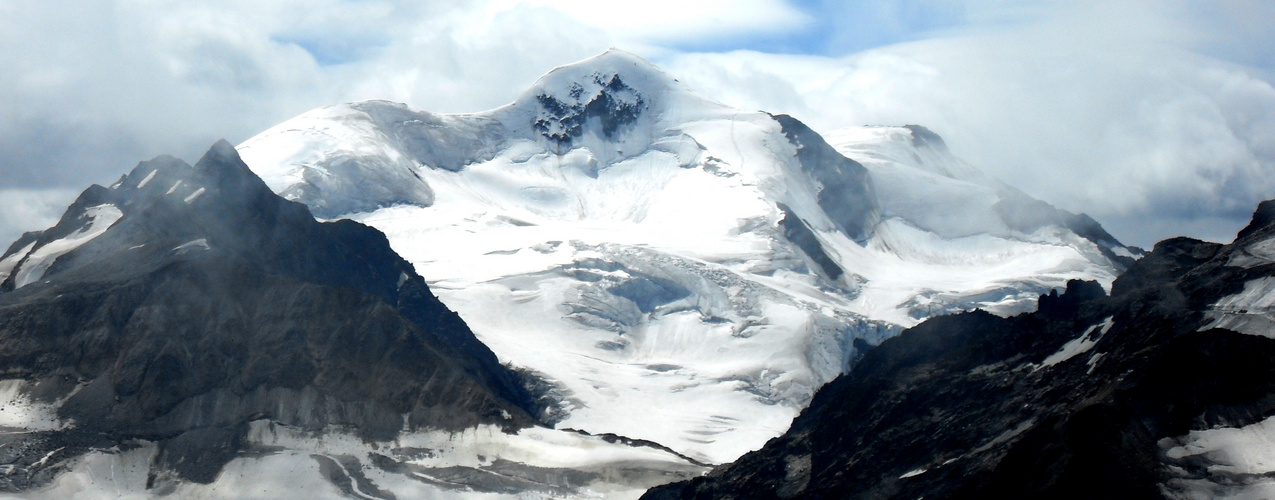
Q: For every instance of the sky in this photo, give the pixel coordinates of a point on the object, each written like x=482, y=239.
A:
x=1155, y=117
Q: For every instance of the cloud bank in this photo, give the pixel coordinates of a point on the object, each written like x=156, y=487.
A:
x=1157, y=118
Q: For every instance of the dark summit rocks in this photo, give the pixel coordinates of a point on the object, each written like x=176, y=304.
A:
x=1084, y=398
x=1263, y=222
x=210, y=303
x=612, y=102
x=924, y=137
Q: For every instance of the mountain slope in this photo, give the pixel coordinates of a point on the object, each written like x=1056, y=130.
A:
x=206, y=301
x=680, y=271
x=958, y=200
x=1162, y=389
x=187, y=319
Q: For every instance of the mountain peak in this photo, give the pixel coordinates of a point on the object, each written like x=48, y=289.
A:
x=616, y=88
x=922, y=137
x=221, y=154
x=613, y=62
x=234, y=302
x=1263, y=220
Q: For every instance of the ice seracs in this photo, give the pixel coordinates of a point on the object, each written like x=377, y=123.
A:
x=681, y=271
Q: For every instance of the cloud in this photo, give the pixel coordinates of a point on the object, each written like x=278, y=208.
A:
x=1097, y=109
x=27, y=210
x=93, y=87
x=1149, y=115
x=674, y=21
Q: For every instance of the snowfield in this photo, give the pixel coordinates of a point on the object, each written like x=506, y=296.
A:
x=637, y=245
x=29, y=265
x=1251, y=311
x=482, y=463
x=1239, y=462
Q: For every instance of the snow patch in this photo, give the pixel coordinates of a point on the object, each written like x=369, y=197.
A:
x=195, y=195
x=1093, y=362
x=913, y=473
x=1238, y=461
x=19, y=411
x=1256, y=254
x=1251, y=311
x=146, y=180
x=199, y=244
x=1078, y=346
x=107, y=473
x=1122, y=252
x=477, y=463
x=100, y=218
x=173, y=189
x=8, y=263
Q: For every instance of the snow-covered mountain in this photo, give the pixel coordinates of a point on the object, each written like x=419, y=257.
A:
x=678, y=270
x=188, y=333
x=1161, y=389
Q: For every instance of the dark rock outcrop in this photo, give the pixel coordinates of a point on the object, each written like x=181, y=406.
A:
x=796, y=231
x=211, y=303
x=1075, y=400
x=844, y=189
x=615, y=105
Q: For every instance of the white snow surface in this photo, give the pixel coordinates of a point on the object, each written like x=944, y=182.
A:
x=194, y=196
x=8, y=263
x=645, y=272
x=938, y=218
x=547, y=462
x=146, y=180
x=1251, y=311
x=923, y=183
x=1239, y=461
x=199, y=244
x=99, y=219
x=1079, y=345
x=913, y=473
x=19, y=412
x=1255, y=254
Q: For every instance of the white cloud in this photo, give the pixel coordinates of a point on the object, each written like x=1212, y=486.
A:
x=1089, y=109
x=673, y=21
x=29, y=209
x=1103, y=107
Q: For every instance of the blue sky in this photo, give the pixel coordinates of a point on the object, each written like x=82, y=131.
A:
x=838, y=28
x=1156, y=117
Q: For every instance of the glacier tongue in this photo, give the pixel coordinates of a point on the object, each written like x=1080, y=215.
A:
x=654, y=325
x=662, y=259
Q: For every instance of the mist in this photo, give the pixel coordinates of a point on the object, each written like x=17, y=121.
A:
x=1155, y=118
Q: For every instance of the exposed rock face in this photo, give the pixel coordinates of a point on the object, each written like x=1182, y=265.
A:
x=845, y=192
x=210, y=302
x=1089, y=397
x=608, y=99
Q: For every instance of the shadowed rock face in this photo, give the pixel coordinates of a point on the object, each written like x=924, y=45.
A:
x=796, y=231
x=845, y=193
x=212, y=302
x=1081, y=399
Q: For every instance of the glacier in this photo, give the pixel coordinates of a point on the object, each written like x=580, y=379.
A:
x=677, y=270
